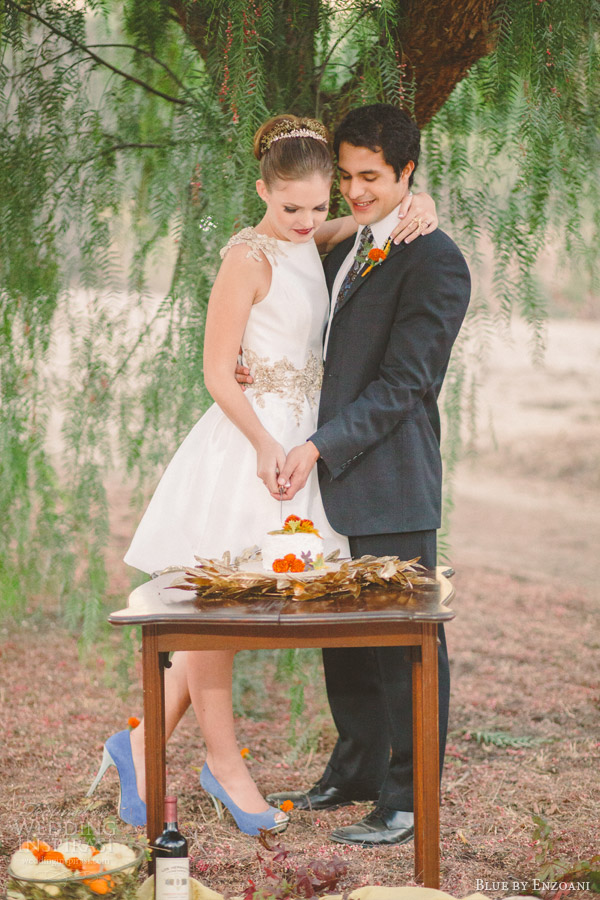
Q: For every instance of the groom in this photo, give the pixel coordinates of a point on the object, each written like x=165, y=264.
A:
x=387, y=348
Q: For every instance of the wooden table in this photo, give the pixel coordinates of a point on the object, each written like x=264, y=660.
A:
x=171, y=620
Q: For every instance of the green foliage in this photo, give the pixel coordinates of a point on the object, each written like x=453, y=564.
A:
x=525, y=123
x=250, y=698
x=126, y=147
x=294, y=668
x=297, y=668
x=503, y=739
x=549, y=868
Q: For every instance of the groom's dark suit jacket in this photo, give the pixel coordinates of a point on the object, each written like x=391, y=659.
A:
x=379, y=426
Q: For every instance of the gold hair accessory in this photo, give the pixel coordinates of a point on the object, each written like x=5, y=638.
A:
x=287, y=129
x=297, y=132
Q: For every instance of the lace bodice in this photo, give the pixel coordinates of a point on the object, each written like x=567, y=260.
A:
x=283, y=341
x=255, y=243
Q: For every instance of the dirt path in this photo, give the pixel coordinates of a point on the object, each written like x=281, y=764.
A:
x=528, y=502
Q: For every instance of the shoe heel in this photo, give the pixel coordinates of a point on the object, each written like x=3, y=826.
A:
x=107, y=762
x=218, y=806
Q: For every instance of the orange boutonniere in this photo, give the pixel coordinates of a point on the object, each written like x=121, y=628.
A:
x=375, y=257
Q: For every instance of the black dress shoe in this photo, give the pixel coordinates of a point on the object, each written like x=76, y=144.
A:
x=382, y=826
x=315, y=798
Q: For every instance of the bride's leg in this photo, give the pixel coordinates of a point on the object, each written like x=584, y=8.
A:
x=177, y=700
x=210, y=682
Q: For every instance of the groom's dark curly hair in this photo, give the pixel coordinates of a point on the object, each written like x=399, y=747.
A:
x=384, y=127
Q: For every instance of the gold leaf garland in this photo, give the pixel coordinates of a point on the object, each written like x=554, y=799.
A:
x=221, y=580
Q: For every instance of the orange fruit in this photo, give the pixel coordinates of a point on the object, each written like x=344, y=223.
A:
x=100, y=885
x=90, y=868
x=55, y=856
x=38, y=848
x=73, y=863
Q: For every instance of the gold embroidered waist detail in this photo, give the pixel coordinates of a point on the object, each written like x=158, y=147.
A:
x=284, y=379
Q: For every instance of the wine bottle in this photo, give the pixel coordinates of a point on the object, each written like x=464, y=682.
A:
x=171, y=860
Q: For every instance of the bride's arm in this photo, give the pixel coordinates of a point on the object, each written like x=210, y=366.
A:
x=334, y=231
x=239, y=283
x=417, y=216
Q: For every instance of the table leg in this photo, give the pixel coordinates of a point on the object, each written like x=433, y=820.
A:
x=426, y=759
x=154, y=726
x=417, y=704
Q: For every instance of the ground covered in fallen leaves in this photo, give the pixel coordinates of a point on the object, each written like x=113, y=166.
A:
x=523, y=751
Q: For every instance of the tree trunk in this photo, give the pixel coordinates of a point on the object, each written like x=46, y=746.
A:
x=439, y=42
x=288, y=87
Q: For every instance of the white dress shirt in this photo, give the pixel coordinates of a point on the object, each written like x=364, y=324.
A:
x=381, y=232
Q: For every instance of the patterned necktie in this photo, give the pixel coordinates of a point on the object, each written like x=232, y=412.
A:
x=357, y=264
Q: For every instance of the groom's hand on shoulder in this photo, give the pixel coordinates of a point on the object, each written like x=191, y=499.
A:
x=297, y=468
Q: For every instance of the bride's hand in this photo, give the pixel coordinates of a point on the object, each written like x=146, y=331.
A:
x=417, y=216
x=270, y=458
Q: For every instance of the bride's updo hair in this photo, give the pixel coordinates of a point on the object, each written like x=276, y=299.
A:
x=292, y=148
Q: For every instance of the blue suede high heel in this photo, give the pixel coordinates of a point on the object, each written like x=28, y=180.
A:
x=249, y=823
x=117, y=753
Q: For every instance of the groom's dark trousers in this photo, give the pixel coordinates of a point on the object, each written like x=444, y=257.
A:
x=380, y=476
x=370, y=694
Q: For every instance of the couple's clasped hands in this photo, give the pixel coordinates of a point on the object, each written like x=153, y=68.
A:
x=284, y=475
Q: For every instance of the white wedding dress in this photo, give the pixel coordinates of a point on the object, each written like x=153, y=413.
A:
x=210, y=498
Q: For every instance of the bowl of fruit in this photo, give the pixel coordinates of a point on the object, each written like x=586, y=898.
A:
x=74, y=871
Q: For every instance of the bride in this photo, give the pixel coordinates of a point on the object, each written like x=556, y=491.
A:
x=270, y=298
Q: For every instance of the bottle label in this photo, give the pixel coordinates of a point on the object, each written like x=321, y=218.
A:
x=172, y=878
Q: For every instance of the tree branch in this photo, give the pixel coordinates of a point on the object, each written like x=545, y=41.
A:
x=125, y=146
x=151, y=56
x=94, y=56
x=193, y=19
x=46, y=62
x=332, y=49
